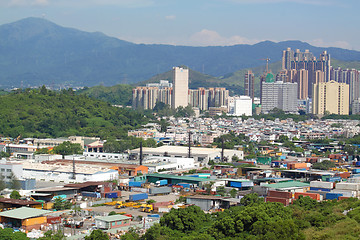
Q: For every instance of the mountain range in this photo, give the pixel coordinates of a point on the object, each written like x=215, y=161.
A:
x=35, y=51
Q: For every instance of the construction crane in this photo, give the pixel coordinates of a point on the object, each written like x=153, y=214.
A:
x=267, y=63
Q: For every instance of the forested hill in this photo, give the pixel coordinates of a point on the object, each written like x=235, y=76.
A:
x=44, y=113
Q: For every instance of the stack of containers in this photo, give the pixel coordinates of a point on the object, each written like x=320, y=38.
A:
x=279, y=196
x=314, y=196
x=321, y=188
x=347, y=189
x=299, y=166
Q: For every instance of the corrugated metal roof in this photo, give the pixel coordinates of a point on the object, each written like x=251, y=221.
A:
x=290, y=184
x=112, y=218
x=177, y=177
x=24, y=213
x=18, y=201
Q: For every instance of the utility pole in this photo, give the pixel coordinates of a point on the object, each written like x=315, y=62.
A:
x=141, y=153
x=74, y=177
x=189, y=145
x=222, y=149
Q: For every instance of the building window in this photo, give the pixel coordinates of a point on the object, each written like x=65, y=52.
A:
x=8, y=170
x=3, y=170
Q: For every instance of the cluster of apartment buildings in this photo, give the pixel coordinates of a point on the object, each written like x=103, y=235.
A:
x=304, y=83
x=178, y=93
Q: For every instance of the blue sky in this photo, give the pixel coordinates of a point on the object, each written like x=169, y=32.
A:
x=201, y=22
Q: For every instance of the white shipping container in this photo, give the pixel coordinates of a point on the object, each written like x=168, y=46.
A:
x=345, y=193
x=354, y=180
x=321, y=184
x=308, y=164
x=348, y=186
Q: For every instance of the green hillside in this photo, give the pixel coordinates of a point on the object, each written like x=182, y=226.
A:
x=120, y=94
x=43, y=113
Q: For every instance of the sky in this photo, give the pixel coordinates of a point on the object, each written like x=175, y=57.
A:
x=324, y=23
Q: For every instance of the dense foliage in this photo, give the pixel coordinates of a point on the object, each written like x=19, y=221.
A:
x=43, y=113
x=255, y=219
x=9, y=234
x=324, y=165
x=120, y=94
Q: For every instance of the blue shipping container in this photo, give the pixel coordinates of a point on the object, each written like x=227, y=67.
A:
x=89, y=194
x=111, y=195
x=154, y=215
x=320, y=189
x=184, y=185
x=135, y=184
x=137, y=197
x=333, y=179
x=357, y=163
x=331, y=196
x=356, y=170
x=162, y=182
x=236, y=184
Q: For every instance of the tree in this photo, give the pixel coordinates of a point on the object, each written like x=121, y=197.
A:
x=15, y=195
x=9, y=234
x=61, y=204
x=250, y=199
x=324, y=165
x=112, y=213
x=2, y=182
x=52, y=235
x=14, y=182
x=68, y=148
x=97, y=235
x=233, y=192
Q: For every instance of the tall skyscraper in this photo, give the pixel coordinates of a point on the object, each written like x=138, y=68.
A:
x=249, y=84
x=302, y=81
x=331, y=97
x=278, y=95
x=180, y=87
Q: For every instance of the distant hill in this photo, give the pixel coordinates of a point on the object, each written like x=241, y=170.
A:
x=41, y=113
x=35, y=51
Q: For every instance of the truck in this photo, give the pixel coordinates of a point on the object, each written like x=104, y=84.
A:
x=138, y=197
x=161, y=182
x=159, y=190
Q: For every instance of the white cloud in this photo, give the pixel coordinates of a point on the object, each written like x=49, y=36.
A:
x=170, y=17
x=212, y=38
x=321, y=43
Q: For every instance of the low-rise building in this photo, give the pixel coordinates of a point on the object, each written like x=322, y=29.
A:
x=110, y=222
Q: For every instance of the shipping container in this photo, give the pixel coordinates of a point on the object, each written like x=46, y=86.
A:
x=284, y=201
x=111, y=195
x=314, y=196
x=322, y=194
x=320, y=189
x=154, y=215
x=344, y=175
x=53, y=219
x=279, y=194
x=348, y=186
x=356, y=170
x=162, y=182
x=91, y=194
x=135, y=184
x=138, y=197
x=184, y=185
x=346, y=193
x=354, y=180
x=342, y=198
x=331, y=196
x=321, y=184
x=160, y=190
x=235, y=184
x=333, y=179
x=34, y=221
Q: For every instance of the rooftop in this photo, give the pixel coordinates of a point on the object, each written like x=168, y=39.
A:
x=18, y=201
x=283, y=185
x=24, y=213
x=177, y=177
x=181, y=150
x=112, y=218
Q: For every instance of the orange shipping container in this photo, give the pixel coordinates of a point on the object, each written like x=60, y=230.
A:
x=341, y=198
x=314, y=196
x=34, y=221
x=279, y=194
x=284, y=201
